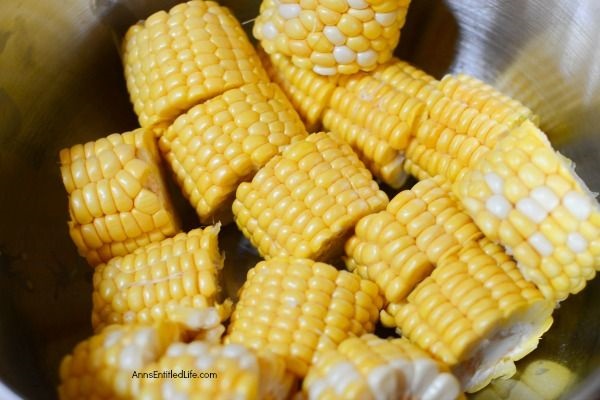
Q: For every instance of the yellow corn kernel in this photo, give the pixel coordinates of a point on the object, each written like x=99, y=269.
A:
x=331, y=37
x=471, y=314
x=117, y=195
x=371, y=367
x=213, y=371
x=101, y=367
x=176, y=59
x=173, y=280
x=219, y=144
x=298, y=308
x=305, y=201
x=552, y=228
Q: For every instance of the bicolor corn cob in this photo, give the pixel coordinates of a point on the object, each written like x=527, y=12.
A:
x=306, y=201
x=223, y=372
x=472, y=315
x=217, y=145
x=373, y=368
x=298, y=307
x=117, y=196
x=399, y=247
x=101, y=367
x=173, y=280
x=177, y=59
x=526, y=197
x=332, y=37
x=308, y=92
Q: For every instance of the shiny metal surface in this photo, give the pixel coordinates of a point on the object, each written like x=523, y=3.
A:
x=61, y=83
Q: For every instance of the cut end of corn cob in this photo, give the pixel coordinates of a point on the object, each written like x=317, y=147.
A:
x=375, y=368
x=172, y=280
x=117, y=196
x=102, y=366
x=219, y=144
x=527, y=197
x=177, y=59
x=306, y=201
x=297, y=308
x=332, y=36
x=228, y=372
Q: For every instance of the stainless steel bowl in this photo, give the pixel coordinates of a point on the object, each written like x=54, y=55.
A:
x=61, y=83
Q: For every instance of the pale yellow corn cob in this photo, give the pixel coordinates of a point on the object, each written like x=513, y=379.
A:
x=471, y=315
x=373, y=368
x=221, y=372
x=308, y=92
x=298, y=307
x=117, y=197
x=174, y=60
x=101, y=367
x=219, y=144
x=173, y=280
x=332, y=36
x=306, y=201
x=407, y=79
x=526, y=197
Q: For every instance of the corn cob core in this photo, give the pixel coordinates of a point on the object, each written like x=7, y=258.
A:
x=305, y=202
x=373, y=368
x=238, y=374
x=526, y=197
x=332, y=36
x=217, y=145
x=473, y=316
x=173, y=280
x=297, y=308
x=117, y=197
x=101, y=367
x=176, y=59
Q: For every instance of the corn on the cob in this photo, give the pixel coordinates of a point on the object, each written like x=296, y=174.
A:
x=373, y=368
x=305, y=202
x=173, y=280
x=526, y=197
x=219, y=144
x=101, y=367
x=117, y=197
x=471, y=315
x=222, y=372
x=298, y=307
x=308, y=92
x=176, y=59
x=332, y=36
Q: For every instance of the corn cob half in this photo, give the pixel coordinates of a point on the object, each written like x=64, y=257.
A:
x=298, y=307
x=373, y=368
x=117, y=196
x=332, y=36
x=173, y=280
x=305, y=201
x=174, y=60
x=217, y=145
x=526, y=197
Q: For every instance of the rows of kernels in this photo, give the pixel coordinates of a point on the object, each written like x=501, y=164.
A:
x=177, y=59
x=308, y=92
x=101, y=367
x=408, y=79
x=219, y=144
x=305, y=201
x=176, y=279
x=525, y=196
x=371, y=367
x=332, y=36
x=297, y=308
x=117, y=197
x=487, y=99
x=238, y=374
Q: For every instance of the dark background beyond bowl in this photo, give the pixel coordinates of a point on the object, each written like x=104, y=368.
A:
x=61, y=83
